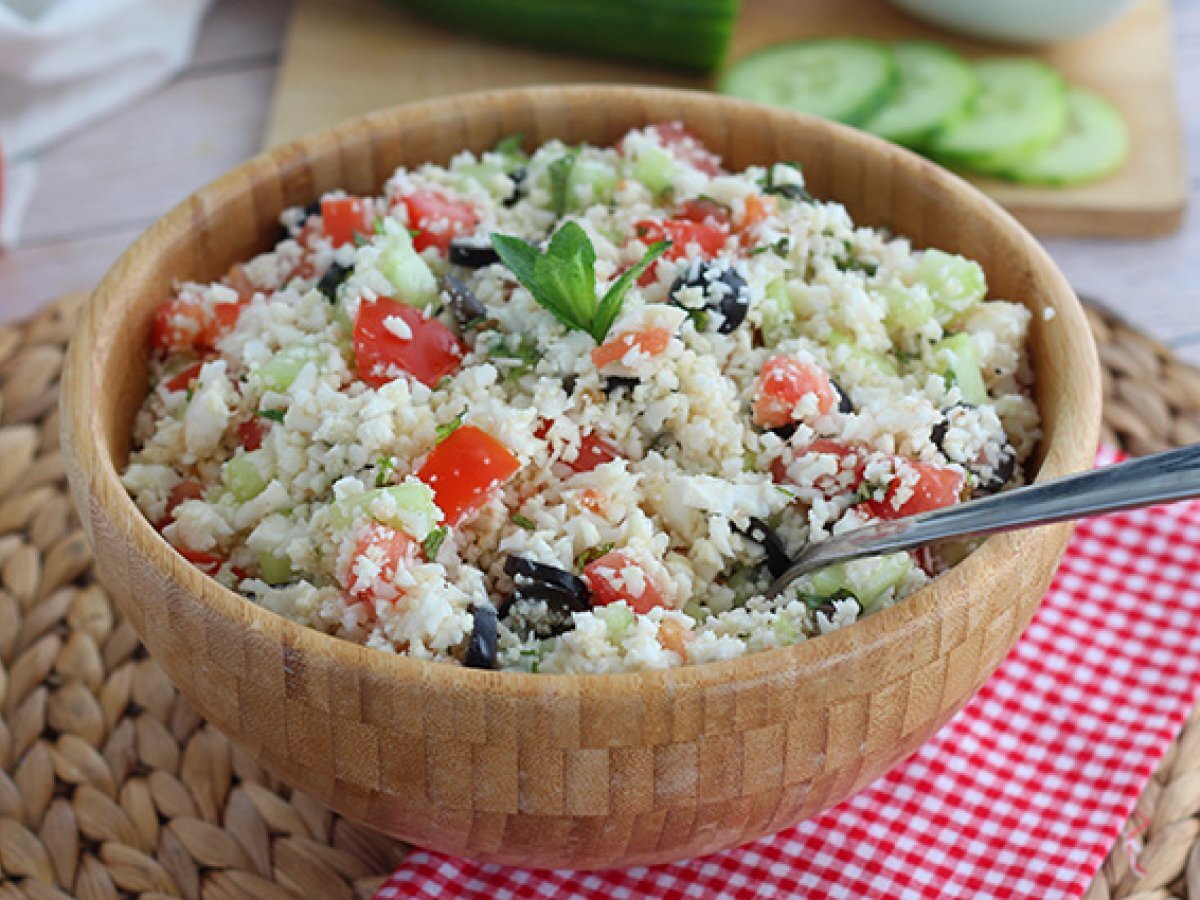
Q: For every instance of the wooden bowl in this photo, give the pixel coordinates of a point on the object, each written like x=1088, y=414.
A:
x=555, y=770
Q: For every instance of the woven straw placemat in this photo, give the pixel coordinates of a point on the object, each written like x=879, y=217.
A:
x=111, y=784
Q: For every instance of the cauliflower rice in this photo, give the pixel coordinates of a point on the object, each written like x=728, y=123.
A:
x=379, y=430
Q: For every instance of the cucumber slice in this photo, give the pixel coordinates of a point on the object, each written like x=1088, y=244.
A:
x=955, y=283
x=935, y=84
x=692, y=34
x=841, y=78
x=958, y=360
x=1019, y=110
x=1093, y=144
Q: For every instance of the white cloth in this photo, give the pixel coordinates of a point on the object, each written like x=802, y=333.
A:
x=64, y=63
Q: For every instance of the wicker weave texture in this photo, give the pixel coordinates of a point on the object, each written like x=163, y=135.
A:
x=111, y=785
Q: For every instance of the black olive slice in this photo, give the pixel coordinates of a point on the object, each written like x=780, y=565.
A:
x=463, y=302
x=778, y=560
x=548, y=580
x=845, y=404
x=481, y=646
x=620, y=383
x=472, y=253
x=332, y=280
x=723, y=288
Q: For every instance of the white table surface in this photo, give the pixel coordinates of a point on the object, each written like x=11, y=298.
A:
x=98, y=189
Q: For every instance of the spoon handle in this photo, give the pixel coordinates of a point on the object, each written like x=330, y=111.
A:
x=1159, y=478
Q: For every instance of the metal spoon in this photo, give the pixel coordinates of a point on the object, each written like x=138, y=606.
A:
x=1159, y=478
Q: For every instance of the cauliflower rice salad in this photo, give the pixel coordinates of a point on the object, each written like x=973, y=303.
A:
x=569, y=411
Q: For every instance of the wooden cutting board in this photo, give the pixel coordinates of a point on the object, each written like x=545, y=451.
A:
x=344, y=58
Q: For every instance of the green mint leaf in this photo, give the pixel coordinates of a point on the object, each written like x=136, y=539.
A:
x=518, y=256
x=433, y=542
x=560, y=180
x=377, y=225
x=275, y=415
x=610, y=306
x=511, y=148
x=446, y=429
x=566, y=277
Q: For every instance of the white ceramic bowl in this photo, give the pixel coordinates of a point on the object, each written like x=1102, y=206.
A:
x=1018, y=21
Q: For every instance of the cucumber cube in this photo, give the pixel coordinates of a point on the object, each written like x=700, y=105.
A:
x=400, y=263
x=870, y=579
x=908, y=308
x=274, y=569
x=958, y=360
x=655, y=168
x=954, y=283
x=591, y=181
x=244, y=475
x=618, y=619
x=778, y=315
x=281, y=370
x=408, y=507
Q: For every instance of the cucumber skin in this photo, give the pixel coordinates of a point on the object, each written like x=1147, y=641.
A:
x=867, y=108
x=995, y=164
x=1022, y=175
x=688, y=34
x=918, y=139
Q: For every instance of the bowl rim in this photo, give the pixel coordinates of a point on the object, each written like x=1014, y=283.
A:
x=84, y=438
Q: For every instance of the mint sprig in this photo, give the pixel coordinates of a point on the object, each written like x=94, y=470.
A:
x=563, y=279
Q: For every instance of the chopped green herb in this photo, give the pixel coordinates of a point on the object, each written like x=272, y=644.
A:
x=749, y=461
x=385, y=467
x=520, y=352
x=950, y=378
x=413, y=232
x=377, y=225
x=360, y=240
x=191, y=392
x=511, y=147
x=787, y=492
x=433, y=542
x=591, y=554
x=560, y=180
x=474, y=323
x=524, y=522
x=866, y=491
x=275, y=415
x=446, y=429
x=563, y=279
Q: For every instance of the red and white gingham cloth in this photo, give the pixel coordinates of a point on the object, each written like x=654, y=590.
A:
x=1020, y=795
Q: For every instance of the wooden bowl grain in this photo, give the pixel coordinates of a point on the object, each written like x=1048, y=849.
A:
x=569, y=771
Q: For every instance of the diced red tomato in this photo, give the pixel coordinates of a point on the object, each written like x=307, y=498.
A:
x=183, y=380
x=429, y=354
x=208, y=563
x=251, y=433
x=675, y=637
x=609, y=581
x=705, y=211
x=851, y=463
x=344, y=217
x=651, y=342
x=188, y=489
x=465, y=470
x=936, y=486
x=684, y=146
x=237, y=279
x=758, y=208
x=438, y=219
x=594, y=450
x=686, y=236
x=386, y=548
x=783, y=382
x=188, y=323
x=178, y=324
